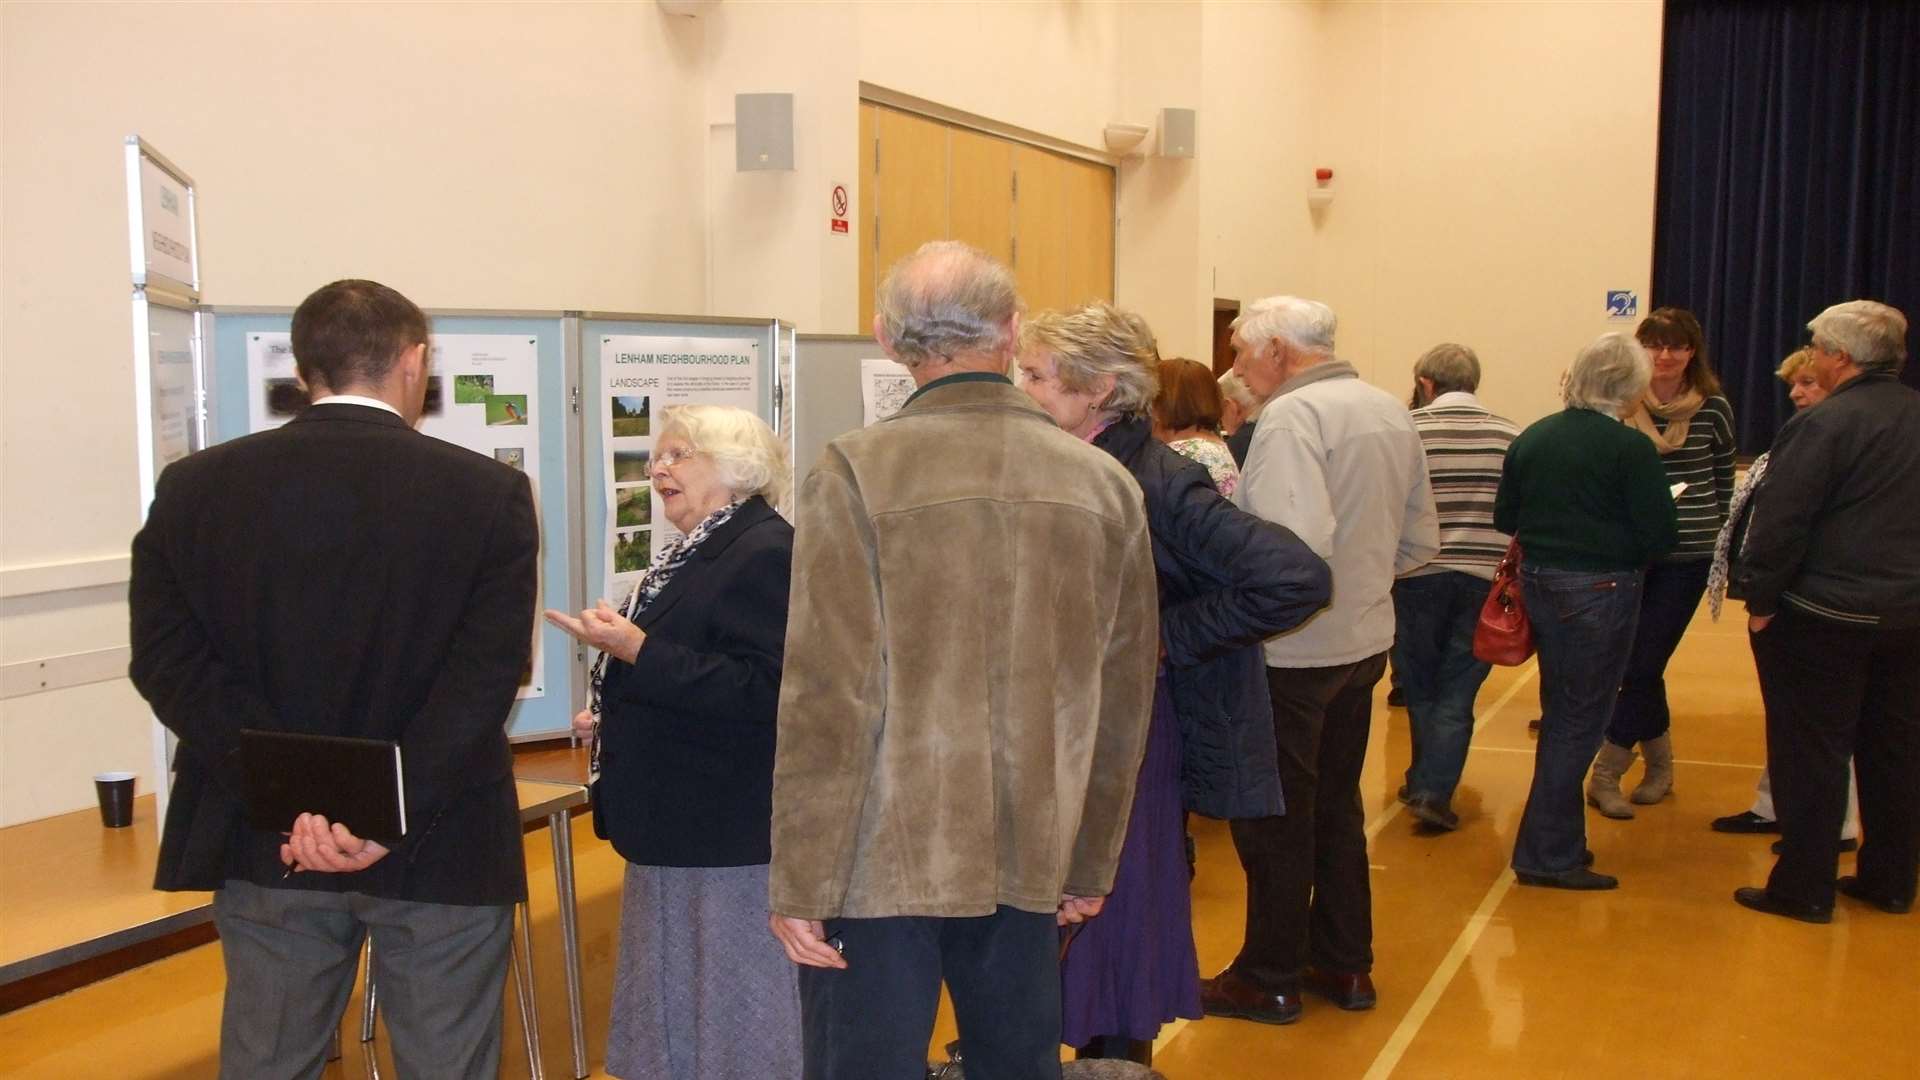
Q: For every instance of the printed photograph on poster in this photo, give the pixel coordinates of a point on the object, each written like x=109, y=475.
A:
x=285, y=397
x=630, y=417
x=635, y=506
x=472, y=389
x=515, y=456
x=506, y=410
x=632, y=550
x=630, y=466
x=884, y=387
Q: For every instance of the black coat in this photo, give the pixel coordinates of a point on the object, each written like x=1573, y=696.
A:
x=1227, y=581
x=342, y=575
x=687, y=730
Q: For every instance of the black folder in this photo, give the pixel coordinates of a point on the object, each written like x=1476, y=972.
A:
x=356, y=782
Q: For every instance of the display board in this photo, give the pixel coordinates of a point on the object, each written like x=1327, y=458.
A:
x=828, y=391
x=633, y=367
x=501, y=387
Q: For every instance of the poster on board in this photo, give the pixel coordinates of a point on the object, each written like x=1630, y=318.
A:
x=480, y=395
x=641, y=377
x=884, y=387
x=175, y=390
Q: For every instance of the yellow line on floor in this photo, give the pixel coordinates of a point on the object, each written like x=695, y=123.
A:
x=1167, y=1032
x=1410, y=1024
x=1385, y=817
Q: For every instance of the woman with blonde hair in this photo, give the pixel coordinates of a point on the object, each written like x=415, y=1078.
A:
x=1227, y=580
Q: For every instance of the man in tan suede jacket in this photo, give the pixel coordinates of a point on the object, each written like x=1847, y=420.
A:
x=969, y=674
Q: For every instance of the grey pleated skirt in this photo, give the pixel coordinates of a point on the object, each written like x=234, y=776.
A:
x=701, y=991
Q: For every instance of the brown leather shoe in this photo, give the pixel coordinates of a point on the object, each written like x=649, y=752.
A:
x=1230, y=994
x=1352, y=992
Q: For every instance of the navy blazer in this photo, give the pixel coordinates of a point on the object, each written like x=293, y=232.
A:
x=687, y=729
x=1227, y=580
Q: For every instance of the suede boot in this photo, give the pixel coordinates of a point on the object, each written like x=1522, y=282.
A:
x=1658, y=781
x=1603, y=784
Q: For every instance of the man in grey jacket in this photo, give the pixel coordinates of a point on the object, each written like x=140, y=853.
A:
x=969, y=675
x=1340, y=463
x=1831, y=570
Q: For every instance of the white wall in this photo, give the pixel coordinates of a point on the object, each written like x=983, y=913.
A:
x=1494, y=167
x=1494, y=173
x=472, y=155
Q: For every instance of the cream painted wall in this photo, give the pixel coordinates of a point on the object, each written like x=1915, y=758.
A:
x=1495, y=173
x=472, y=155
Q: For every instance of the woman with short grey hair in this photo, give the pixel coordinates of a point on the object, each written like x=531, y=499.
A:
x=1227, y=580
x=680, y=720
x=1586, y=498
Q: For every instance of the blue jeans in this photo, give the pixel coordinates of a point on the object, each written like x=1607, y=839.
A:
x=1667, y=603
x=1583, y=626
x=1434, y=616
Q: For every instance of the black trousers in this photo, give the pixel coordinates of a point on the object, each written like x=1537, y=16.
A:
x=1308, y=897
x=1833, y=691
x=872, y=1021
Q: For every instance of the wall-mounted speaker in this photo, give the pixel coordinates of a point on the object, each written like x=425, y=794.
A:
x=762, y=132
x=1176, y=133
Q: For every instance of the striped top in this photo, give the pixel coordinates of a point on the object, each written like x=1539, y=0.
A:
x=1466, y=446
x=1705, y=463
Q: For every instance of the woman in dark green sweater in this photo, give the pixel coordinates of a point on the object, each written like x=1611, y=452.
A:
x=1587, y=498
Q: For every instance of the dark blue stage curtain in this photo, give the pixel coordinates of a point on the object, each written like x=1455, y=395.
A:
x=1789, y=179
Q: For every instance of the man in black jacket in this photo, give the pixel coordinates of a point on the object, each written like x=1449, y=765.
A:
x=345, y=575
x=1831, y=569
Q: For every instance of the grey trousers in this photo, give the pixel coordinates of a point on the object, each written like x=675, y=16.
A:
x=291, y=955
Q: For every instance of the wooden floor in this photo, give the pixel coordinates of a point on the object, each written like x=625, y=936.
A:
x=1664, y=978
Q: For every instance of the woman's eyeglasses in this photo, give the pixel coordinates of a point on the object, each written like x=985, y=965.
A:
x=676, y=457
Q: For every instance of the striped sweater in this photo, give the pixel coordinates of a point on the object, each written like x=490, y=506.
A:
x=1466, y=446
x=1705, y=464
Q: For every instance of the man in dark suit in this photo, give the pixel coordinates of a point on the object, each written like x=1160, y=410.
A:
x=345, y=575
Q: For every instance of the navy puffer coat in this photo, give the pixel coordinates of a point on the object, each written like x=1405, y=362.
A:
x=1227, y=581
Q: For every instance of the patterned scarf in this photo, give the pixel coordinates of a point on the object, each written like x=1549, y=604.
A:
x=666, y=563
x=1723, y=544
x=1678, y=414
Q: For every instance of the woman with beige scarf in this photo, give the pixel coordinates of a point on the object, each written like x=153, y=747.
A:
x=1691, y=425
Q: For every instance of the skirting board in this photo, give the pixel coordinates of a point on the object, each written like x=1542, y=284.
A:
x=62, y=576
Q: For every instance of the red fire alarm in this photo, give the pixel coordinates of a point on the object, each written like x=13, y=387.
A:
x=1323, y=175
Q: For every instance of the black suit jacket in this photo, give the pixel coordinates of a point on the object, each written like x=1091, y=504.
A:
x=342, y=575
x=687, y=730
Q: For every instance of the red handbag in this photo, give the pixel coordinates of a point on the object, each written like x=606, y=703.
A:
x=1503, y=634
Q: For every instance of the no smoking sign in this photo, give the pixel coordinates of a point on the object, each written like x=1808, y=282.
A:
x=838, y=223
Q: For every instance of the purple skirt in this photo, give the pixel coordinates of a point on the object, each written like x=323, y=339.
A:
x=1132, y=967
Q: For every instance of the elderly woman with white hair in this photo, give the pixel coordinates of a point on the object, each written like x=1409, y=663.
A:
x=681, y=717
x=1226, y=580
x=1586, y=497
x=1239, y=413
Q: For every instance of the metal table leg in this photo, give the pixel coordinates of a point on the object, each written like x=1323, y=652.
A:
x=370, y=1003
x=560, y=826
x=521, y=959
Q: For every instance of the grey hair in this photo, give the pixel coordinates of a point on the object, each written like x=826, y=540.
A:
x=1872, y=334
x=946, y=299
x=1233, y=386
x=1451, y=367
x=1097, y=340
x=744, y=450
x=1305, y=325
x=1609, y=375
